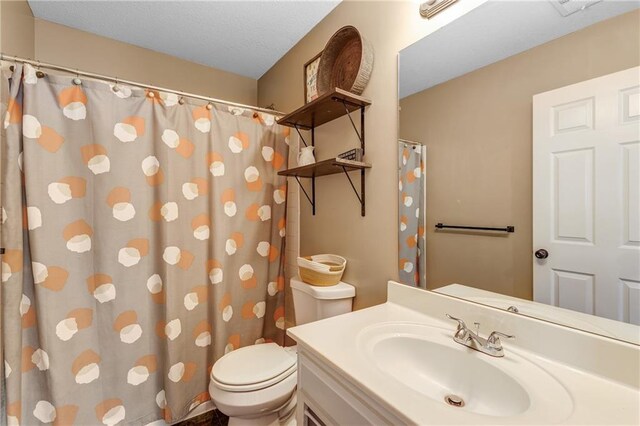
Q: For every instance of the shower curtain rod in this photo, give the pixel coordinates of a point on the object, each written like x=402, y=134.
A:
x=38, y=64
x=410, y=142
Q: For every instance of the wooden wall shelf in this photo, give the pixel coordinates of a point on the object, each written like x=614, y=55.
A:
x=326, y=108
x=326, y=167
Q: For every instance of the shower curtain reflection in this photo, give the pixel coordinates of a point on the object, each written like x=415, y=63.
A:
x=411, y=237
x=143, y=240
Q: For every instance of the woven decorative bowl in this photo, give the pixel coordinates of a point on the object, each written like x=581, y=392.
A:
x=321, y=269
x=346, y=62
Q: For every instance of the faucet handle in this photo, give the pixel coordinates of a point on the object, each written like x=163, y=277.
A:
x=461, y=324
x=477, y=324
x=494, y=338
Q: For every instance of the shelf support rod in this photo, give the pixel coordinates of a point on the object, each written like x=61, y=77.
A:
x=305, y=193
x=355, y=191
x=295, y=126
x=362, y=186
x=352, y=123
x=362, y=127
x=313, y=178
x=362, y=191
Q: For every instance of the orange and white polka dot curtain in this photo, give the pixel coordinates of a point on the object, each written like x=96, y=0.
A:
x=144, y=239
x=411, y=236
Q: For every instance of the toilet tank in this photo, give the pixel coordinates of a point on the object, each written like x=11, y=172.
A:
x=313, y=303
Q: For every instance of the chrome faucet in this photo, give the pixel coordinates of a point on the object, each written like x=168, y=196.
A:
x=490, y=346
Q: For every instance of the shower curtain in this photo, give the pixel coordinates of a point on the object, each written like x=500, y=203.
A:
x=411, y=237
x=144, y=239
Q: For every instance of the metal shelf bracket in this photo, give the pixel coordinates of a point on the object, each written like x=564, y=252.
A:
x=312, y=199
x=355, y=129
x=301, y=137
x=355, y=191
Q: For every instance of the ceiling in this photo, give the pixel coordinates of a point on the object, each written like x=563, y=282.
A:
x=489, y=33
x=242, y=37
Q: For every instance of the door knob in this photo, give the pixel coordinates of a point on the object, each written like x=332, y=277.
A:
x=541, y=254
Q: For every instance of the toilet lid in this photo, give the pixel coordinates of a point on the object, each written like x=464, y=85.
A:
x=253, y=364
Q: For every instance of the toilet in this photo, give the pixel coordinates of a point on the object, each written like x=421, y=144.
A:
x=255, y=385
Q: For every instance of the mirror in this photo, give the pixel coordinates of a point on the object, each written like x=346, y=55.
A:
x=529, y=122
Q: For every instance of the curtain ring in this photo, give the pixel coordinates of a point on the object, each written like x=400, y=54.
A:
x=115, y=87
x=181, y=100
x=77, y=80
x=209, y=106
x=39, y=73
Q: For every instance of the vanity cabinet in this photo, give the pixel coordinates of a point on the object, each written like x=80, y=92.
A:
x=326, y=398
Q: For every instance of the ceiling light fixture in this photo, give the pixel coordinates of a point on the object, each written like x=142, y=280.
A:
x=569, y=7
x=431, y=7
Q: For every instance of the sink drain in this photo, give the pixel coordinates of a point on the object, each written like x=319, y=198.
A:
x=454, y=400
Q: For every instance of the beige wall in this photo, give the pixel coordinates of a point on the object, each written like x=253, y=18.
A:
x=78, y=49
x=478, y=133
x=16, y=28
x=16, y=38
x=22, y=35
x=369, y=243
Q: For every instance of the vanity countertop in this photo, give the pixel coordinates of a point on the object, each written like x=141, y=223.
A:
x=595, y=397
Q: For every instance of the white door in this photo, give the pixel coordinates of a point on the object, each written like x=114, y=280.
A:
x=586, y=196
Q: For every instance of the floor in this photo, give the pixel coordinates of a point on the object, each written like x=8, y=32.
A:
x=210, y=418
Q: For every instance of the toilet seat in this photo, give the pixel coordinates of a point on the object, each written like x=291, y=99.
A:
x=255, y=381
x=254, y=386
x=253, y=368
x=255, y=403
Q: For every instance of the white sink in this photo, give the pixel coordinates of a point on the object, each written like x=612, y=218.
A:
x=426, y=360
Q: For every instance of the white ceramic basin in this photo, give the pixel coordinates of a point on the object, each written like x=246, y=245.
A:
x=426, y=360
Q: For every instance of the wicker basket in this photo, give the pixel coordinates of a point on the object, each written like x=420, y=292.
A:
x=321, y=269
x=346, y=62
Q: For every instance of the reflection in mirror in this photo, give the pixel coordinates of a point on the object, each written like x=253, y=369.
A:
x=411, y=163
x=532, y=121
x=571, y=318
